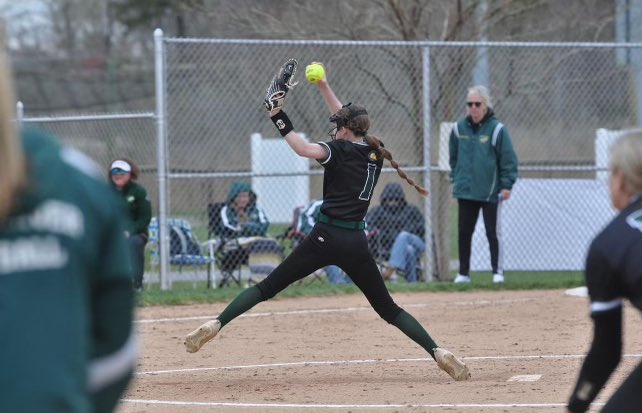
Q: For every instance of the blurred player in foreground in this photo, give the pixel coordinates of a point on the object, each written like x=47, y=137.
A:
x=352, y=163
x=614, y=273
x=66, y=298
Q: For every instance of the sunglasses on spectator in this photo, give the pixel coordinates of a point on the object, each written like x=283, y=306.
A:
x=471, y=104
x=118, y=171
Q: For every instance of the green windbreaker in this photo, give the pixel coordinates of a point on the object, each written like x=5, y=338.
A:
x=482, y=159
x=66, y=298
x=139, y=206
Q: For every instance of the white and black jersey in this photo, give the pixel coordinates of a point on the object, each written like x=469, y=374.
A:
x=613, y=273
x=351, y=172
x=614, y=262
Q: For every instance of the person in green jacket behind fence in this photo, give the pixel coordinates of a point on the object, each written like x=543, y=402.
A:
x=123, y=174
x=483, y=167
x=241, y=217
x=66, y=301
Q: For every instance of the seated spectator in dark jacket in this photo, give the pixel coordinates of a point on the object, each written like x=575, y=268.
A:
x=397, y=230
x=241, y=217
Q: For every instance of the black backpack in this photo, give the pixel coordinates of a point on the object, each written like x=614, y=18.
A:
x=181, y=242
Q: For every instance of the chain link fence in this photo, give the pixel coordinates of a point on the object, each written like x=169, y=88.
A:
x=553, y=99
x=106, y=137
x=561, y=103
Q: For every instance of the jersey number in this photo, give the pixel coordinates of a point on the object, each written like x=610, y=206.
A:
x=366, y=192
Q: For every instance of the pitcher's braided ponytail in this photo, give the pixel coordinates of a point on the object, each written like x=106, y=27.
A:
x=356, y=119
x=376, y=143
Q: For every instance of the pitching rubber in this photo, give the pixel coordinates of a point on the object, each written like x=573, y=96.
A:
x=451, y=365
x=197, y=338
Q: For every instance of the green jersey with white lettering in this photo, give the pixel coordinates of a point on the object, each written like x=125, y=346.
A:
x=66, y=297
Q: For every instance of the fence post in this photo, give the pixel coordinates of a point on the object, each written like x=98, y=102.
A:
x=20, y=113
x=441, y=191
x=163, y=233
x=429, y=254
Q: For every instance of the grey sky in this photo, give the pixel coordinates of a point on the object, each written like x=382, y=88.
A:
x=26, y=20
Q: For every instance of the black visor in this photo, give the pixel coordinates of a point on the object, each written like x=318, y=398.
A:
x=342, y=117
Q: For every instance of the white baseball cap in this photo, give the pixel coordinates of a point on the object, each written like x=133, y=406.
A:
x=120, y=164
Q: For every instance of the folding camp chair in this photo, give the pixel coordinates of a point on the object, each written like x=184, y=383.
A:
x=264, y=255
x=229, y=270
x=259, y=254
x=184, y=247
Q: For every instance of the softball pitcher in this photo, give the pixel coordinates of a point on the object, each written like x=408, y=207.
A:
x=352, y=161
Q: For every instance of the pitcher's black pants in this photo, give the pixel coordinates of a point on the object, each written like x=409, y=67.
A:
x=345, y=248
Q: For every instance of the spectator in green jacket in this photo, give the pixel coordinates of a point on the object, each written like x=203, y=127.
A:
x=241, y=217
x=66, y=301
x=123, y=174
x=483, y=171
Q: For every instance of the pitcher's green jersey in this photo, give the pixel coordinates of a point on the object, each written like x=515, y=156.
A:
x=66, y=295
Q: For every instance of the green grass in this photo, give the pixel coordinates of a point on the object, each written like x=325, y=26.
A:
x=189, y=293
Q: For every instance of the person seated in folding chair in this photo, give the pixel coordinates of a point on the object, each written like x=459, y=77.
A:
x=397, y=230
x=305, y=222
x=245, y=225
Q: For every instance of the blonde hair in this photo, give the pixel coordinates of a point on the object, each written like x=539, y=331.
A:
x=626, y=158
x=483, y=93
x=12, y=162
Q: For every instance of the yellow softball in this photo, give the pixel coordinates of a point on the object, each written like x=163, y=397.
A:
x=314, y=72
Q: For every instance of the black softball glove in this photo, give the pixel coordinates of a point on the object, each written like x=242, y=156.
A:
x=280, y=85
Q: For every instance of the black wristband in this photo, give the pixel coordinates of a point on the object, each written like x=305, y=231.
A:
x=282, y=123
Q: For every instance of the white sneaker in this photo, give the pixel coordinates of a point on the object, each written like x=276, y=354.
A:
x=451, y=365
x=197, y=338
x=459, y=279
x=498, y=278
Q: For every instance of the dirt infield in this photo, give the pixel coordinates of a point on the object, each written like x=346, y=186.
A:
x=334, y=354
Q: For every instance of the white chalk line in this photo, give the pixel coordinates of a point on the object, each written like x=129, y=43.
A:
x=541, y=356
x=339, y=362
x=352, y=406
x=333, y=310
x=365, y=361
